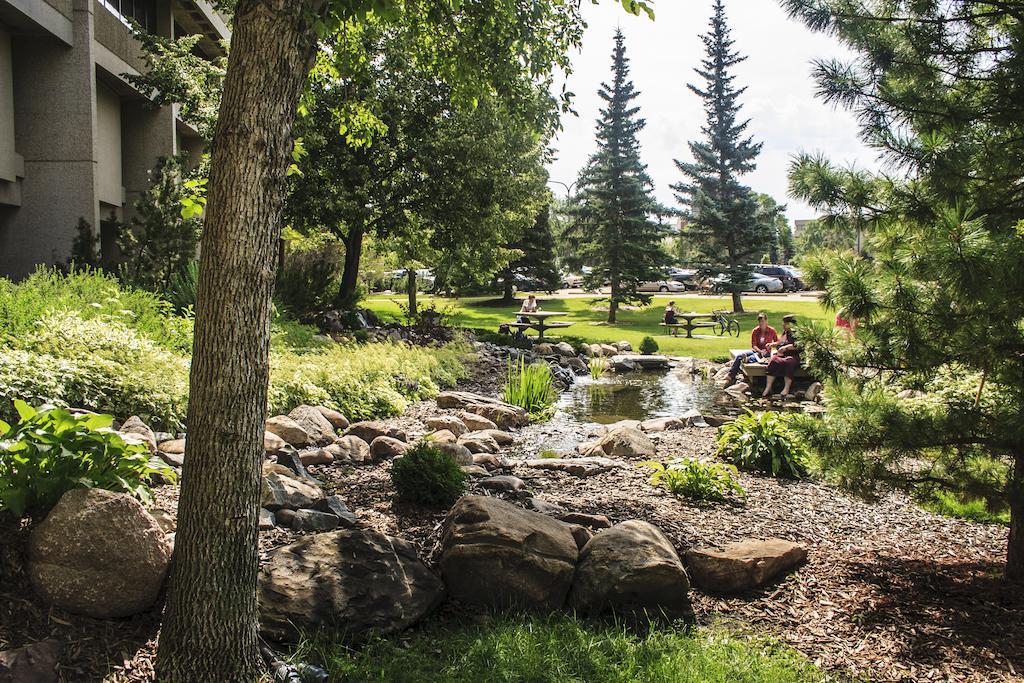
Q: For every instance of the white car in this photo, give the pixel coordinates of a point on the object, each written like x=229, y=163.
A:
x=571, y=281
x=761, y=284
x=662, y=286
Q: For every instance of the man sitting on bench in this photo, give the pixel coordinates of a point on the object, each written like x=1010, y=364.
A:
x=761, y=338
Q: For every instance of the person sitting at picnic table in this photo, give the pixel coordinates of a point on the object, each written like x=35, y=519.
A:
x=670, y=318
x=529, y=306
x=761, y=338
x=785, y=358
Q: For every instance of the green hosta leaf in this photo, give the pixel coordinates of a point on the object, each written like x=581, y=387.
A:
x=25, y=411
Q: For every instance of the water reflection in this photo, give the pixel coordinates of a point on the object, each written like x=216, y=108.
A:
x=637, y=396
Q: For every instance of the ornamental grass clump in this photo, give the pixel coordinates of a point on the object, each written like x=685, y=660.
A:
x=50, y=451
x=532, y=388
x=764, y=443
x=597, y=366
x=427, y=475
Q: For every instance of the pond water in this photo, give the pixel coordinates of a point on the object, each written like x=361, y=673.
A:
x=637, y=396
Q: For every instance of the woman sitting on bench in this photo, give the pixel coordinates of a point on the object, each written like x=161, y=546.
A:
x=785, y=359
x=670, y=318
x=529, y=306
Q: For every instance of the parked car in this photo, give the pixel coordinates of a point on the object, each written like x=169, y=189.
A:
x=662, y=286
x=571, y=281
x=761, y=284
x=783, y=273
x=687, y=278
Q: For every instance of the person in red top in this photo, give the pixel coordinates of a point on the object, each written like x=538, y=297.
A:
x=761, y=338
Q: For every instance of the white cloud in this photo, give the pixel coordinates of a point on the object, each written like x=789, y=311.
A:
x=785, y=114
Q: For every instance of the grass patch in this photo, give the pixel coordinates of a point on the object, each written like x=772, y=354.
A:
x=972, y=509
x=561, y=649
x=633, y=326
x=532, y=388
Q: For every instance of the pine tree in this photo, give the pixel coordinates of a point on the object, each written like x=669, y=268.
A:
x=537, y=256
x=722, y=212
x=929, y=397
x=613, y=208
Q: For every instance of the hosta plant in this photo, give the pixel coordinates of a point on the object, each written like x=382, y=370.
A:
x=693, y=479
x=765, y=443
x=51, y=451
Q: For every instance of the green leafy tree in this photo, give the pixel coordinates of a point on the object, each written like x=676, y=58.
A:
x=772, y=214
x=210, y=626
x=723, y=214
x=931, y=392
x=613, y=228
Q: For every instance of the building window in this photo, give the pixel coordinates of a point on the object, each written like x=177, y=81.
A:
x=142, y=11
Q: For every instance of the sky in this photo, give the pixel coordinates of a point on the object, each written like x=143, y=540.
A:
x=780, y=103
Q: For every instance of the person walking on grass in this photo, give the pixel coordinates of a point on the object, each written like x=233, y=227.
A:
x=785, y=359
x=761, y=338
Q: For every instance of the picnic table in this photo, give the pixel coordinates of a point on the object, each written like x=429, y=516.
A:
x=693, y=321
x=538, y=320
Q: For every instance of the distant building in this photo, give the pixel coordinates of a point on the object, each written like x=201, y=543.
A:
x=76, y=139
x=799, y=225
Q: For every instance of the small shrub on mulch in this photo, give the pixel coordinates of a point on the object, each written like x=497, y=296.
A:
x=427, y=475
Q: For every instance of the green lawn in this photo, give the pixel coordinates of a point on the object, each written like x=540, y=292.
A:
x=633, y=326
x=561, y=649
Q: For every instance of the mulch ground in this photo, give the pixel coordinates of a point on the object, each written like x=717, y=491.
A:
x=890, y=592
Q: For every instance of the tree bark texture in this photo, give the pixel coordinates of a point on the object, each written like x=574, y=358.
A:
x=210, y=625
x=1015, y=542
x=350, y=275
x=410, y=290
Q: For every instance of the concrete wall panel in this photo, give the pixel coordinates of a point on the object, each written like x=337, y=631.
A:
x=108, y=146
x=9, y=165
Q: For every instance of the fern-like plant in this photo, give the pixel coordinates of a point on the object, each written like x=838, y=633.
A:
x=693, y=479
x=765, y=443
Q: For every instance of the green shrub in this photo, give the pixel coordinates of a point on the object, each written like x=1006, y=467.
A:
x=184, y=287
x=697, y=480
x=49, y=452
x=765, y=443
x=309, y=281
x=427, y=475
x=532, y=388
x=648, y=346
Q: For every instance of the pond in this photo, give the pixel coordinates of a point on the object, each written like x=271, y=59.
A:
x=638, y=396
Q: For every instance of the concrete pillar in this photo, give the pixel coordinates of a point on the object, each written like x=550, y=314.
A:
x=55, y=132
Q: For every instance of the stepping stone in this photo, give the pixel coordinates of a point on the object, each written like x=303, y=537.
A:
x=744, y=565
x=579, y=467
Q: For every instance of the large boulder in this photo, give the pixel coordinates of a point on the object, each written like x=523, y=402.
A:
x=479, y=442
x=631, y=570
x=744, y=565
x=499, y=555
x=280, y=490
x=321, y=431
x=459, y=453
x=369, y=430
x=501, y=413
x=337, y=420
x=136, y=427
x=624, y=443
x=451, y=423
x=272, y=443
x=346, y=585
x=99, y=553
x=386, y=448
x=350, y=449
x=476, y=422
x=565, y=350
x=289, y=430
x=35, y=663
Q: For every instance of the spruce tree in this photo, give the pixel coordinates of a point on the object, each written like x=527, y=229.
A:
x=613, y=227
x=929, y=396
x=536, y=260
x=722, y=213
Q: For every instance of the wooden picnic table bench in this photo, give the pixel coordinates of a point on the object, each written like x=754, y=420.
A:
x=693, y=322
x=759, y=370
x=542, y=324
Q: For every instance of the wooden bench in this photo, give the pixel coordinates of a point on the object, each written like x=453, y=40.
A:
x=760, y=370
x=540, y=326
x=689, y=326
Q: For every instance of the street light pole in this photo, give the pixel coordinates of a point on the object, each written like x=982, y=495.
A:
x=568, y=188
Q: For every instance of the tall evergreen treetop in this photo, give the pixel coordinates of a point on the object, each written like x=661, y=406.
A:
x=723, y=213
x=613, y=227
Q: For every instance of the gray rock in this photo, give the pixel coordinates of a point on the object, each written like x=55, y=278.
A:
x=744, y=565
x=631, y=570
x=289, y=430
x=623, y=347
x=581, y=535
x=489, y=461
x=501, y=438
x=267, y=519
x=279, y=491
x=99, y=553
x=475, y=471
x=289, y=458
x=135, y=425
x=35, y=663
x=459, y=453
x=316, y=456
x=370, y=429
x=501, y=413
x=565, y=349
x=545, y=507
x=386, y=448
x=442, y=436
x=308, y=520
x=272, y=443
x=321, y=431
x=351, y=449
x=578, y=467
x=503, y=483
x=337, y=420
x=583, y=519
x=499, y=555
x=476, y=422
x=336, y=506
x=661, y=424
x=346, y=585
x=479, y=442
x=624, y=443
x=449, y=422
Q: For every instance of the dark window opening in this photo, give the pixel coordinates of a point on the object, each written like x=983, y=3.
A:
x=142, y=11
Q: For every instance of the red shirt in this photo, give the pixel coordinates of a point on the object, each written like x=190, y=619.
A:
x=761, y=340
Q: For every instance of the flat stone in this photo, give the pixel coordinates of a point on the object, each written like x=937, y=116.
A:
x=279, y=491
x=579, y=467
x=503, y=483
x=661, y=424
x=307, y=520
x=583, y=519
x=744, y=565
x=545, y=507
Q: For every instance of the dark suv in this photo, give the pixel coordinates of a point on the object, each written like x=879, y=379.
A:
x=790, y=283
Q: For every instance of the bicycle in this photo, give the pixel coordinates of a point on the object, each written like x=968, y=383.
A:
x=724, y=325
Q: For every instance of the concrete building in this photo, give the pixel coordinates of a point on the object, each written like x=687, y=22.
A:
x=77, y=141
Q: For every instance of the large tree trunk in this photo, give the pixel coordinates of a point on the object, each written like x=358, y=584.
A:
x=509, y=294
x=613, y=303
x=210, y=626
x=410, y=289
x=350, y=275
x=1015, y=543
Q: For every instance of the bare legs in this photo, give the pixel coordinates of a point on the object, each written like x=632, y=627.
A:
x=770, y=380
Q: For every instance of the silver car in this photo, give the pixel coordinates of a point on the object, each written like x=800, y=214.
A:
x=761, y=284
x=662, y=286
